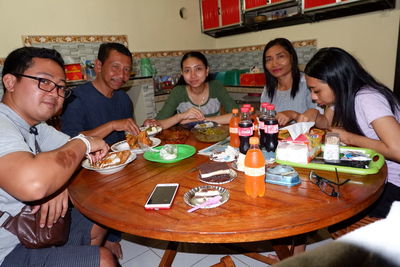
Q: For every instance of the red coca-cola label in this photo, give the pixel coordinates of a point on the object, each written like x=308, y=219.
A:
x=271, y=129
x=248, y=131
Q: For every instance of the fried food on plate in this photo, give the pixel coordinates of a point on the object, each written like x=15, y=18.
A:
x=113, y=159
x=134, y=140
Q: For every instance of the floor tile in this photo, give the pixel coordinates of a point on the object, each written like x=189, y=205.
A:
x=147, y=259
x=183, y=259
x=131, y=250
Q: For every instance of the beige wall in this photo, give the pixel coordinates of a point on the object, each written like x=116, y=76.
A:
x=154, y=25
x=151, y=25
x=370, y=37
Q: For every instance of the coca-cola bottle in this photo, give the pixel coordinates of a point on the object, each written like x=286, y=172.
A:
x=262, y=118
x=245, y=130
x=271, y=133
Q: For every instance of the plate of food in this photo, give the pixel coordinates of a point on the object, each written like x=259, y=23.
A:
x=229, y=154
x=151, y=130
x=133, y=144
x=201, y=194
x=183, y=152
x=216, y=173
x=211, y=134
x=113, y=162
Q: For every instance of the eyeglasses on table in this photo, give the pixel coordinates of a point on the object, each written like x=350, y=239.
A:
x=327, y=186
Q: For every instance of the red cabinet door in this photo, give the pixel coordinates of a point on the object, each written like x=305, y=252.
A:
x=254, y=3
x=210, y=14
x=317, y=3
x=230, y=12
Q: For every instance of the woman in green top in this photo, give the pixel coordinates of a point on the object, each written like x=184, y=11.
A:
x=195, y=98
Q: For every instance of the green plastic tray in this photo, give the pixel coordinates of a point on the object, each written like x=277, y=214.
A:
x=374, y=166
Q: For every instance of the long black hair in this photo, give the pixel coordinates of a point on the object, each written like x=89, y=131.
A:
x=345, y=76
x=196, y=54
x=272, y=82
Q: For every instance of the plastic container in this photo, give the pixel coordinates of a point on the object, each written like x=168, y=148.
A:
x=254, y=170
x=332, y=148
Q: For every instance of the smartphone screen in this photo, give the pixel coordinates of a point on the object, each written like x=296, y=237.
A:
x=162, y=196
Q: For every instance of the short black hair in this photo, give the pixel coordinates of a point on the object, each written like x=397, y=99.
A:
x=19, y=60
x=106, y=48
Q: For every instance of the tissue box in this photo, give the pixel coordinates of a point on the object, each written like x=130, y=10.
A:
x=252, y=79
x=301, y=150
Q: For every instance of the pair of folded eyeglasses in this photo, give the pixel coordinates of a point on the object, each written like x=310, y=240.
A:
x=327, y=186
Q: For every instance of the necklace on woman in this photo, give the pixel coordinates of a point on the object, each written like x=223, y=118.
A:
x=202, y=95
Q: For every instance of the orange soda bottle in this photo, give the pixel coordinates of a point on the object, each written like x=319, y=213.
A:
x=254, y=118
x=234, y=128
x=254, y=170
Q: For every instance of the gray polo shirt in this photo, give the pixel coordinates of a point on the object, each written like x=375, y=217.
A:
x=14, y=137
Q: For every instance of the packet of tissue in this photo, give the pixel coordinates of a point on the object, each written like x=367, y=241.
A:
x=301, y=146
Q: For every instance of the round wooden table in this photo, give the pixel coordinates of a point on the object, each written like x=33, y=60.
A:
x=117, y=201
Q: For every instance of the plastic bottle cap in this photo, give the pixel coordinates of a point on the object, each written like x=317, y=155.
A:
x=235, y=110
x=244, y=109
x=271, y=107
x=254, y=140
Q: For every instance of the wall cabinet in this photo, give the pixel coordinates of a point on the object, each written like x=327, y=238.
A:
x=228, y=17
x=216, y=14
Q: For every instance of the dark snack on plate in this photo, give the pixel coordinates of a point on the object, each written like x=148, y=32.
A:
x=215, y=172
x=113, y=159
x=174, y=135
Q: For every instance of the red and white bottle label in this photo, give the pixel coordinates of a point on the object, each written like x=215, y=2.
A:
x=254, y=171
x=234, y=130
x=271, y=129
x=248, y=131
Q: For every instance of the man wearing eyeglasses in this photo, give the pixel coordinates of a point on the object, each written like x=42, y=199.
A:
x=36, y=161
x=101, y=109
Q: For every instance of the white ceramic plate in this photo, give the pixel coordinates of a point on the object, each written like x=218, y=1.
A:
x=123, y=145
x=153, y=131
x=191, y=200
x=232, y=175
x=108, y=170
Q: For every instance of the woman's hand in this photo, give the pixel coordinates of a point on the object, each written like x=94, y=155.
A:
x=282, y=118
x=308, y=116
x=151, y=122
x=345, y=136
x=192, y=113
x=51, y=211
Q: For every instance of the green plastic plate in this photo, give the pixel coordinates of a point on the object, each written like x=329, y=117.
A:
x=374, y=166
x=184, y=151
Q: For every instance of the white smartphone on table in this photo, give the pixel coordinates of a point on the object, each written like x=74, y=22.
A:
x=162, y=197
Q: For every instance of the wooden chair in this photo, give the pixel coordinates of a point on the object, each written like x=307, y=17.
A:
x=336, y=233
x=225, y=262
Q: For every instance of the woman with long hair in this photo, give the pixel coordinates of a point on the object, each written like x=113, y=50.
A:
x=286, y=87
x=196, y=97
x=362, y=110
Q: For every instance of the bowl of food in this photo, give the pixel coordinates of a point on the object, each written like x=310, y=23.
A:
x=211, y=134
x=174, y=135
